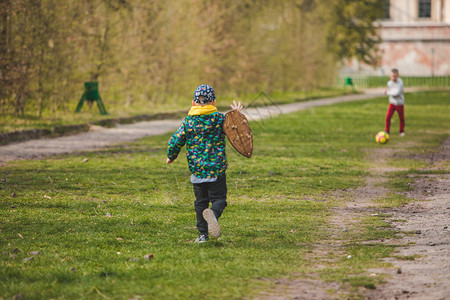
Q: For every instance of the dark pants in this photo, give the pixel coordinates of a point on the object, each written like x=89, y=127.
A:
x=401, y=114
x=214, y=192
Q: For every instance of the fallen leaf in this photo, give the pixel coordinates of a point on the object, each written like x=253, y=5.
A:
x=149, y=256
x=35, y=252
x=47, y=197
x=20, y=235
x=27, y=259
x=19, y=297
x=292, y=231
x=108, y=215
x=119, y=239
x=13, y=194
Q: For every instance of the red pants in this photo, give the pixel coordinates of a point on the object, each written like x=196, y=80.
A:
x=392, y=108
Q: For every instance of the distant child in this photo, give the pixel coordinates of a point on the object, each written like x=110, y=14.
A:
x=396, y=101
x=202, y=132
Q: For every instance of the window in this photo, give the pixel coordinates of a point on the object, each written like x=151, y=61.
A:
x=424, y=8
x=387, y=9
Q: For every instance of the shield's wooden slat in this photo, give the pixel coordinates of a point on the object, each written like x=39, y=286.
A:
x=239, y=133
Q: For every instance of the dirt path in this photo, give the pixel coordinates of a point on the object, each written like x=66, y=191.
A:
x=423, y=225
x=101, y=137
x=98, y=137
x=427, y=276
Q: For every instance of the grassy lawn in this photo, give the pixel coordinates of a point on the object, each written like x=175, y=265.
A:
x=118, y=109
x=94, y=221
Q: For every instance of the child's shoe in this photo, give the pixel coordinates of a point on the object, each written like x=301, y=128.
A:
x=202, y=238
x=402, y=134
x=213, y=224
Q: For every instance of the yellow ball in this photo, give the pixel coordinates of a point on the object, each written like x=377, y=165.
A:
x=382, y=137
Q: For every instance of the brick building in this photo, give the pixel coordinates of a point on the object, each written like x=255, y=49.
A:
x=415, y=39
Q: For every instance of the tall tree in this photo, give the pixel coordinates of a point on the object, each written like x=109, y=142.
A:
x=352, y=32
x=156, y=51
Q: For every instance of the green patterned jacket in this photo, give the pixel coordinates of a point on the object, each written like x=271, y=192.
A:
x=205, y=143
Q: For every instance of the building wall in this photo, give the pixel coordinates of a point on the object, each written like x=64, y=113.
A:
x=407, y=11
x=403, y=10
x=417, y=50
x=416, y=46
x=446, y=11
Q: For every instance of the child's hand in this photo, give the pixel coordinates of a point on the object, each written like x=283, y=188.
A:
x=235, y=106
x=168, y=161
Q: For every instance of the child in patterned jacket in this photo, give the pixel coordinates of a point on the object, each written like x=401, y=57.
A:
x=202, y=132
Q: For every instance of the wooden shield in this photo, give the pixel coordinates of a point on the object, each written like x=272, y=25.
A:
x=239, y=133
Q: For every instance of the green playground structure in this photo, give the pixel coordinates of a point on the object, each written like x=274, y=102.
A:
x=349, y=82
x=91, y=94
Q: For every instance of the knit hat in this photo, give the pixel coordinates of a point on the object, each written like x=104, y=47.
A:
x=206, y=91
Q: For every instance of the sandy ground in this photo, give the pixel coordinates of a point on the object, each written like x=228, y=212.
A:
x=97, y=138
x=422, y=224
x=427, y=237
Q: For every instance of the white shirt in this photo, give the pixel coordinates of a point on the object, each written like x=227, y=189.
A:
x=395, y=92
